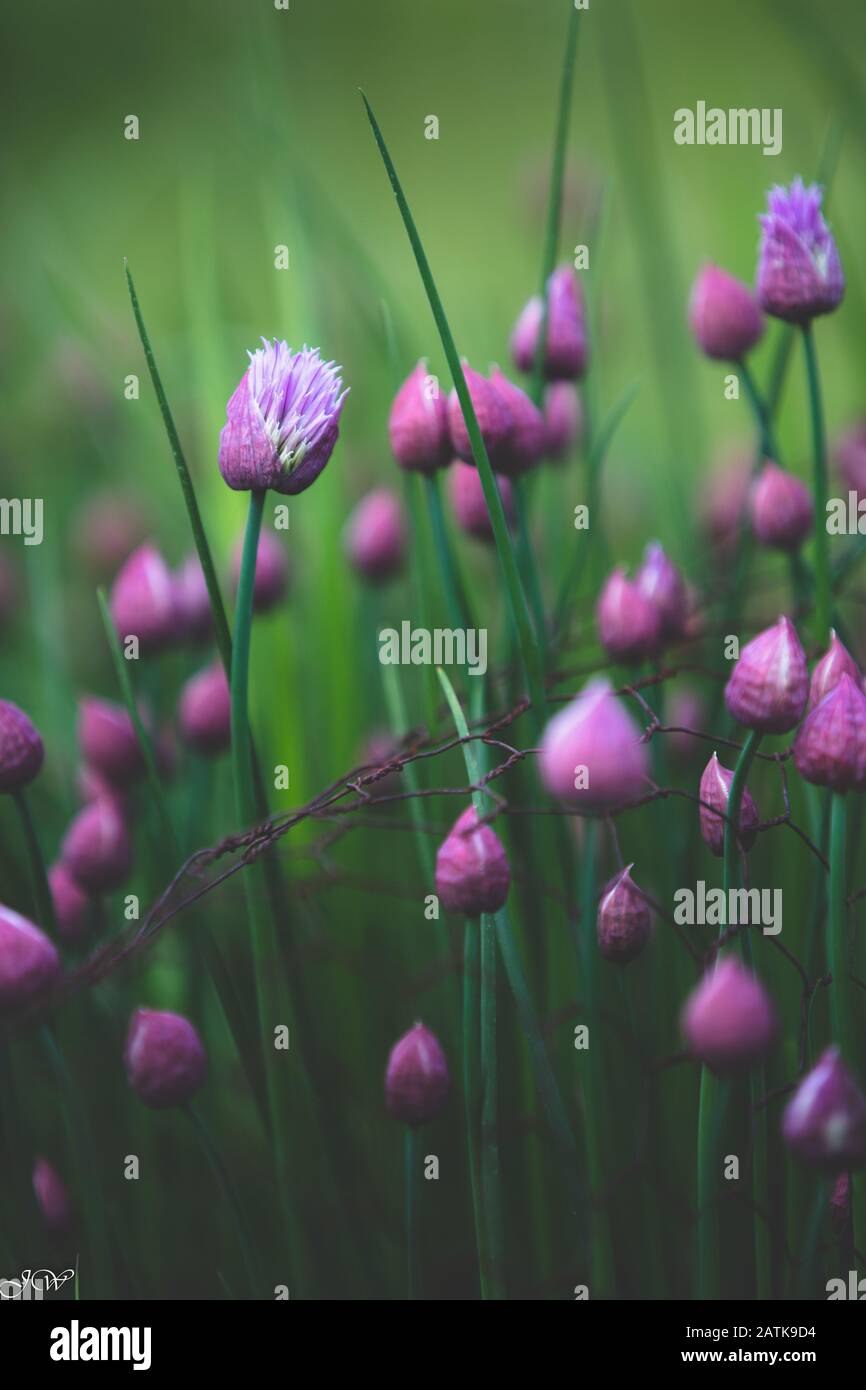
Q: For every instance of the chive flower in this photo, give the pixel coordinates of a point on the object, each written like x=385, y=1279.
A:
x=375, y=537
x=781, y=508
x=566, y=353
x=623, y=921
x=472, y=874
x=824, y=1123
x=728, y=1021
x=52, y=1197
x=714, y=790
x=108, y=741
x=166, y=1063
x=769, y=685
x=466, y=494
x=525, y=441
x=563, y=419
x=204, y=714
x=724, y=316
x=416, y=1078
x=96, y=848
x=21, y=748
x=492, y=414
x=143, y=600
x=659, y=581
x=592, y=754
x=830, y=747
x=29, y=962
x=418, y=424
x=799, y=272
x=836, y=662
x=629, y=624
x=71, y=903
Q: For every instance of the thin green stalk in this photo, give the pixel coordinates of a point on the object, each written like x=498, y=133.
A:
x=456, y=599
x=519, y=611
x=841, y=1016
x=732, y=810
x=811, y=1256
x=767, y=442
x=709, y=1257
x=823, y=597
x=410, y=1169
x=229, y=1195
x=526, y=561
x=472, y=1071
x=41, y=890
x=493, y=1267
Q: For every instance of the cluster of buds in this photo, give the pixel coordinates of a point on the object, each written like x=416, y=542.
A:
x=637, y=618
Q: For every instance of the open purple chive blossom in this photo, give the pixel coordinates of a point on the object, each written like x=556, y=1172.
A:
x=824, y=1122
x=830, y=747
x=71, y=904
x=491, y=412
x=629, y=624
x=851, y=458
x=52, y=1197
x=781, y=508
x=143, y=600
x=29, y=962
x=592, y=756
x=728, y=1020
x=472, y=874
x=108, y=741
x=565, y=355
x=799, y=272
x=375, y=537
x=563, y=419
x=166, y=1062
x=21, y=748
x=418, y=424
x=272, y=572
x=715, y=789
x=469, y=504
x=724, y=315
x=205, y=711
x=659, y=581
x=623, y=922
x=282, y=422
x=416, y=1078
x=192, y=601
x=836, y=662
x=769, y=685
x=96, y=848
x=525, y=443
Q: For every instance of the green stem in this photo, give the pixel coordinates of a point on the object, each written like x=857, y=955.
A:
x=229, y=1195
x=837, y=935
x=810, y=1258
x=493, y=1262
x=455, y=594
x=472, y=1071
x=732, y=811
x=41, y=889
x=819, y=485
x=410, y=1167
x=768, y=448
x=241, y=663
x=709, y=1118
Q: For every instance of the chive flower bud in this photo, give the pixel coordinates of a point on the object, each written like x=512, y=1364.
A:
x=29, y=962
x=623, y=921
x=469, y=504
x=108, y=741
x=525, y=443
x=836, y=662
x=418, y=424
x=781, y=508
x=52, y=1197
x=416, y=1078
x=830, y=747
x=491, y=412
x=563, y=419
x=205, y=711
x=375, y=537
x=799, y=272
x=659, y=581
x=565, y=349
x=629, y=624
x=724, y=315
x=192, y=601
x=472, y=874
x=96, y=848
x=851, y=458
x=166, y=1063
x=728, y=1021
x=592, y=756
x=143, y=600
x=769, y=685
x=824, y=1122
x=21, y=748
x=71, y=904
x=715, y=789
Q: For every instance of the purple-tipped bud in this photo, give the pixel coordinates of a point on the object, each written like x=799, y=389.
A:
x=469, y=503
x=715, y=789
x=728, y=1020
x=563, y=419
x=659, y=580
x=781, y=508
x=418, y=424
x=192, y=601
x=623, y=922
x=166, y=1063
x=830, y=748
x=21, y=748
x=52, y=1197
x=525, y=443
x=205, y=711
x=472, y=874
x=724, y=315
x=29, y=962
x=108, y=741
x=282, y=422
x=491, y=412
x=375, y=537
x=142, y=600
x=592, y=756
x=851, y=458
x=416, y=1078
x=836, y=662
x=824, y=1122
x=770, y=683
x=565, y=355
x=629, y=624
x=71, y=905
x=96, y=848
x=272, y=572
x=799, y=272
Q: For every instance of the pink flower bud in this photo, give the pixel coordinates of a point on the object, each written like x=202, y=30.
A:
x=830, y=747
x=71, y=905
x=836, y=662
x=724, y=503
x=715, y=789
x=192, y=601
x=769, y=685
x=469, y=503
x=629, y=625
x=563, y=419
x=166, y=1063
x=799, y=272
x=824, y=1122
x=96, y=848
x=565, y=356
x=781, y=507
x=416, y=1079
x=52, y=1197
x=108, y=741
x=728, y=1020
x=205, y=711
x=21, y=748
x=592, y=757
x=142, y=600
x=28, y=961
x=623, y=922
x=418, y=424
x=724, y=315
x=851, y=458
x=375, y=537
x=272, y=572
x=472, y=874
x=525, y=442
x=491, y=412
x=659, y=581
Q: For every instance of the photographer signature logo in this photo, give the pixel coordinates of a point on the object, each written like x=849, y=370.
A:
x=32, y=1284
